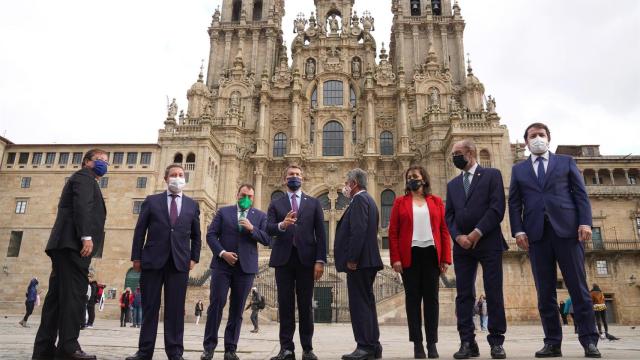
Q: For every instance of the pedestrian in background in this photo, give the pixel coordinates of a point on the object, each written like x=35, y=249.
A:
x=30, y=302
x=199, y=310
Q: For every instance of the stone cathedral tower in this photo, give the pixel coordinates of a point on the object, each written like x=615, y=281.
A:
x=340, y=102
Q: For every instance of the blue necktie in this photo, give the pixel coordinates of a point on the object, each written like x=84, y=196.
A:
x=541, y=173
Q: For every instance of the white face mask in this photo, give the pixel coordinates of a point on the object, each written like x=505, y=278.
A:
x=346, y=191
x=538, y=145
x=176, y=184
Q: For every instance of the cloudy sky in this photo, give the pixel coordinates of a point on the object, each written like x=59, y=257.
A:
x=78, y=71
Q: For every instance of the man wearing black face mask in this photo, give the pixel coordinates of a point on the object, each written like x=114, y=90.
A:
x=475, y=208
x=76, y=236
x=299, y=252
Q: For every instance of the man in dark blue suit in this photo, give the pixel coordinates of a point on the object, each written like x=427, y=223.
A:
x=166, y=245
x=299, y=252
x=233, y=236
x=475, y=208
x=356, y=253
x=550, y=216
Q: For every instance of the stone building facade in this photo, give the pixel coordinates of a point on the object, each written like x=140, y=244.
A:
x=338, y=103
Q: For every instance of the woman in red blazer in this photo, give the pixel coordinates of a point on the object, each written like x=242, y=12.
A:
x=420, y=249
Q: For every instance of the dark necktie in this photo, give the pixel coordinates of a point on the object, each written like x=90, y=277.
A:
x=294, y=207
x=243, y=215
x=467, y=183
x=173, y=210
x=541, y=173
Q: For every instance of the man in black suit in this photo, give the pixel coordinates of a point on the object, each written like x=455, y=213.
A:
x=475, y=208
x=356, y=253
x=299, y=252
x=75, y=237
x=166, y=246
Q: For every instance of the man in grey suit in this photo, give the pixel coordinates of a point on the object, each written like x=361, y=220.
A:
x=356, y=253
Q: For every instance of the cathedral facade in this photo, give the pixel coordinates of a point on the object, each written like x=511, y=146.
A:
x=339, y=102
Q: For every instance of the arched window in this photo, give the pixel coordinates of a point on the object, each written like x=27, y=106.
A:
x=386, y=143
x=277, y=195
x=485, y=158
x=342, y=202
x=324, y=201
x=386, y=201
x=132, y=279
x=332, y=139
x=237, y=7
x=279, y=144
x=191, y=158
x=177, y=158
x=415, y=8
x=332, y=92
x=314, y=98
x=257, y=10
x=353, y=98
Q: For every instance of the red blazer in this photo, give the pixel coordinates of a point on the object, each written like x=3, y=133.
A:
x=401, y=230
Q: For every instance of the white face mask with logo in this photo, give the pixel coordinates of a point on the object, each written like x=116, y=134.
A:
x=538, y=145
x=176, y=184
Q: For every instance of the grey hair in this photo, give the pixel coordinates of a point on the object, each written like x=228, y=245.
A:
x=359, y=176
x=469, y=145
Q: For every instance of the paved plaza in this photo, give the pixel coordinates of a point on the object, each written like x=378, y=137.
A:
x=110, y=342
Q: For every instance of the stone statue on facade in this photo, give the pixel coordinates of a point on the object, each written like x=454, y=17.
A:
x=234, y=104
x=172, y=109
x=334, y=25
x=435, y=97
x=491, y=105
x=355, y=67
x=310, y=69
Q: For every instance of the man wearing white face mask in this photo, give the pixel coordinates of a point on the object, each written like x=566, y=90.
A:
x=166, y=245
x=550, y=217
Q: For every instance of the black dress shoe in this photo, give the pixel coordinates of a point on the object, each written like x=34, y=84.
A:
x=377, y=354
x=467, y=350
x=549, y=350
x=359, y=354
x=497, y=352
x=309, y=355
x=77, y=355
x=432, y=351
x=43, y=357
x=591, y=351
x=206, y=355
x=230, y=355
x=285, y=354
x=138, y=356
x=418, y=351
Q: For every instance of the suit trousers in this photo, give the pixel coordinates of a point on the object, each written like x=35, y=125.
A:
x=152, y=282
x=421, y=285
x=362, y=306
x=295, y=282
x=64, y=306
x=466, y=266
x=569, y=255
x=223, y=279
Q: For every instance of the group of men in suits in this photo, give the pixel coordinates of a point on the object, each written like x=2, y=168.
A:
x=549, y=212
x=550, y=217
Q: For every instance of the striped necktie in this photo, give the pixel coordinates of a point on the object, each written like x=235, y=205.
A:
x=467, y=183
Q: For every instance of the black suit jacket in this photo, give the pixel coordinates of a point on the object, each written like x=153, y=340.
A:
x=309, y=231
x=357, y=235
x=81, y=212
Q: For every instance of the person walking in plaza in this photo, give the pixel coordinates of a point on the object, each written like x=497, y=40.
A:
x=166, y=246
x=563, y=314
x=136, y=308
x=475, y=209
x=76, y=236
x=91, y=303
x=233, y=236
x=357, y=253
x=126, y=299
x=30, y=301
x=568, y=309
x=299, y=253
x=198, y=311
x=420, y=250
x=600, y=310
x=550, y=217
x=256, y=304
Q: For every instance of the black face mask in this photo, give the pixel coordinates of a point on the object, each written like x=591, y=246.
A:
x=414, y=184
x=460, y=162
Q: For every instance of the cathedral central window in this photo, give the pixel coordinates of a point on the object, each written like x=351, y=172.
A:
x=333, y=93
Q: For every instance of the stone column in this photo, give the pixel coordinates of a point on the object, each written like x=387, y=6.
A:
x=445, y=45
x=370, y=125
x=228, y=35
x=403, y=124
x=598, y=177
x=400, y=40
x=461, y=70
x=212, y=75
x=241, y=36
x=416, y=45
x=613, y=182
x=294, y=143
x=626, y=175
x=254, y=51
x=261, y=144
x=270, y=53
x=259, y=173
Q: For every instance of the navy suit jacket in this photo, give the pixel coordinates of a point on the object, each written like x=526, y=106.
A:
x=182, y=240
x=483, y=209
x=563, y=197
x=223, y=234
x=311, y=240
x=357, y=235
